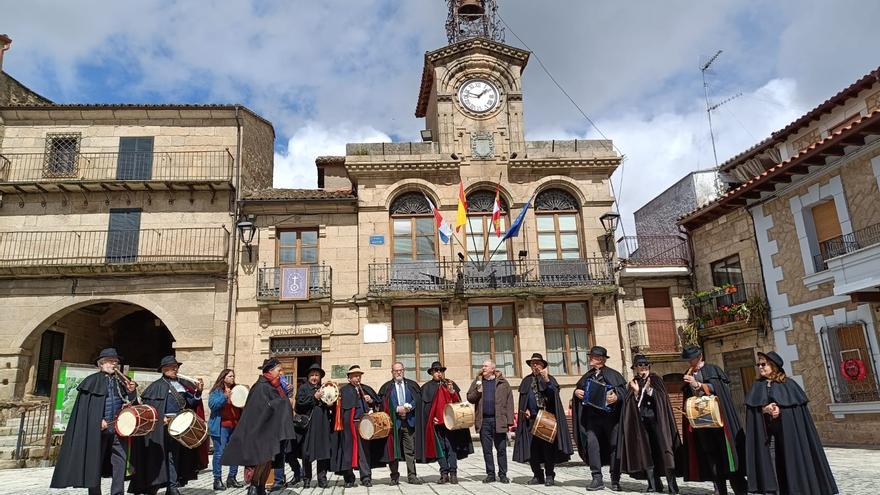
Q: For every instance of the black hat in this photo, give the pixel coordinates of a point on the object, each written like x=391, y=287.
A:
x=436, y=366
x=315, y=367
x=691, y=352
x=268, y=364
x=775, y=358
x=536, y=357
x=109, y=352
x=168, y=361
x=598, y=350
x=640, y=359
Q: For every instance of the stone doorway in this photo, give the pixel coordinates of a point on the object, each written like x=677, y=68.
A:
x=740, y=368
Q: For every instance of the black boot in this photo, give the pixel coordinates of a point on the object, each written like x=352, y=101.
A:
x=615, y=483
x=596, y=484
x=256, y=490
x=218, y=485
x=232, y=483
x=652, y=481
x=721, y=487
x=671, y=481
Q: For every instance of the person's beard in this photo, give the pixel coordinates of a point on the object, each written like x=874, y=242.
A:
x=398, y=379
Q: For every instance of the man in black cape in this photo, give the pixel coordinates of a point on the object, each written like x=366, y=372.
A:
x=157, y=459
x=350, y=451
x=711, y=454
x=597, y=424
x=402, y=399
x=540, y=391
x=91, y=448
x=444, y=446
x=784, y=455
x=648, y=440
x=316, y=439
x=264, y=433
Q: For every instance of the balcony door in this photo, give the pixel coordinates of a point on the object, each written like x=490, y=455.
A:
x=123, y=235
x=298, y=247
x=135, y=160
x=659, y=319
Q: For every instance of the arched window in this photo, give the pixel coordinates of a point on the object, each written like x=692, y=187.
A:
x=557, y=215
x=413, y=235
x=482, y=240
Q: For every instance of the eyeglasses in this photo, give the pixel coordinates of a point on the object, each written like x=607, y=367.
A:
x=761, y=365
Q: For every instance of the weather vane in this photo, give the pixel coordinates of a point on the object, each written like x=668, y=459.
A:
x=473, y=19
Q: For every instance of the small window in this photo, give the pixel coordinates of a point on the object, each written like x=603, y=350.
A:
x=568, y=336
x=727, y=272
x=416, y=336
x=851, y=367
x=62, y=151
x=414, y=235
x=135, y=161
x=556, y=214
x=297, y=247
x=493, y=337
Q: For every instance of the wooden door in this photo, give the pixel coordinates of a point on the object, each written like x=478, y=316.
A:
x=659, y=319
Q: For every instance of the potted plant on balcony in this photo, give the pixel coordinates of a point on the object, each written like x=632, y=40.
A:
x=729, y=288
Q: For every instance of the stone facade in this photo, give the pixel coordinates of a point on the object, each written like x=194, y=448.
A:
x=659, y=216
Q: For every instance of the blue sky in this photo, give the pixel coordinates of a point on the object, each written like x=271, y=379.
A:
x=336, y=71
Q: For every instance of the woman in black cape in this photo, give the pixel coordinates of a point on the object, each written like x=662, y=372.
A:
x=784, y=455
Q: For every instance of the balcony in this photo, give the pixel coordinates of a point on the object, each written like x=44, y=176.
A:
x=269, y=283
x=852, y=261
x=653, y=255
x=656, y=336
x=116, y=252
x=433, y=278
x=739, y=305
x=158, y=170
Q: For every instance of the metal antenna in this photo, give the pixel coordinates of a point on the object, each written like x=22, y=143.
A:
x=703, y=69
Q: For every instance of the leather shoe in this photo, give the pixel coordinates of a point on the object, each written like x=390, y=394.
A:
x=233, y=483
x=489, y=479
x=504, y=479
x=444, y=478
x=615, y=486
x=535, y=481
x=172, y=491
x=350, y=484
x=413, y=480
x=453, y=478
x=395, y=480
x=367, y=483
x=323, y=483
x=307, y=483
x=218, y=485
x=256, y=490
x=548, y=481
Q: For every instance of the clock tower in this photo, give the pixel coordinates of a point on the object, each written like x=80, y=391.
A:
x=471, y=92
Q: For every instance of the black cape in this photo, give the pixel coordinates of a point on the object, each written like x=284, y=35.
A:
x=460, y=440
x=393, y=450
x=801, y=467
x=79, y=463
x=265, y=430
x=633, y=443
x=315, y=442
x=731, y=438
x=555, y=453
x=148, y=452
x=346, y=441
x=581, y=414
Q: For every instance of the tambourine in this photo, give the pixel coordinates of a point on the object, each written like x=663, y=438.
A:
x=331, y=393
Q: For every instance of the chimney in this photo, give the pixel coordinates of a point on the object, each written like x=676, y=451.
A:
x=5, y=43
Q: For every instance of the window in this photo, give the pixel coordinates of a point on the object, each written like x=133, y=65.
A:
x=493, y=337
x=827, y=227
x=123, y=235
x=848, y=353
x=61, y=155
x=51, y=350
x=727, y=271
x=135, y=160
x=568, y=336
x=416, y=334
x=414, y=236
x=556, y=212
x=297, y=247
x=482, y=239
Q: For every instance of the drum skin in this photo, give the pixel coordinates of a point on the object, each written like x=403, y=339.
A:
x=458, y=416
x=188, y=429
x=704, y=412
x=374, y=426
x=544, y=426
x=238, y=395
x=136, y=420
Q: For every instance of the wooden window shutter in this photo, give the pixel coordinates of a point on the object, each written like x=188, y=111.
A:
x=826, y=221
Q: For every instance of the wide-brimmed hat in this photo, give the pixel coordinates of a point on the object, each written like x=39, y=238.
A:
x=691, y=352
x=355, y=369
x=536, y=357
x=598, y=350
x=268, y=364
x=640, y=359
x=109, y=352
x=168, y=361
x=315, y=367
x=436, y=366
x=773, y=357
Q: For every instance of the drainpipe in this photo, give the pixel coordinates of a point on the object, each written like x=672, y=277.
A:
x=233, y=238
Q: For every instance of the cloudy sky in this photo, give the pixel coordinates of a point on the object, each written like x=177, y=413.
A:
x=335, y=71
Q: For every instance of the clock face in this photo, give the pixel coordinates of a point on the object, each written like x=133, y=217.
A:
x=478, y=95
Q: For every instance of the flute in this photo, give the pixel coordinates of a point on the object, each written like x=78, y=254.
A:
x=194, y=382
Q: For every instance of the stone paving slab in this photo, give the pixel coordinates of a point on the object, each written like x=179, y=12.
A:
x=857, y=472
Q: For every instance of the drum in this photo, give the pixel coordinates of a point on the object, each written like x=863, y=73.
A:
x=136, y=420
x=458, y=416
x=544, y=426
x=596, y=395
x=188, y=429
x=704, y=412
x=238, y=396
x=331, y=393
x=374, y=426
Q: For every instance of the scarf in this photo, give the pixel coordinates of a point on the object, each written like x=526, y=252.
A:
x=276, y=382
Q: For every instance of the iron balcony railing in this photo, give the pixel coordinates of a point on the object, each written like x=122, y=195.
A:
x=458, y=276
x=106, y=247
x=723, y=305
x=846, y=244
x=656, y=336
x=211, y=166
x=269, y=282
x=653, y=250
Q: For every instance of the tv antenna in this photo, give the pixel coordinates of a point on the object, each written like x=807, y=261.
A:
x=710, y=107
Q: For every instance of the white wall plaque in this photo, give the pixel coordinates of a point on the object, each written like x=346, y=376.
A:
x=375, y=333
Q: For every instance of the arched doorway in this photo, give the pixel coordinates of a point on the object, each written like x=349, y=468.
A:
x=79, y=334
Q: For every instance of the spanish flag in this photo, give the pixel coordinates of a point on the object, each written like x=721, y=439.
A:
x=461, y=216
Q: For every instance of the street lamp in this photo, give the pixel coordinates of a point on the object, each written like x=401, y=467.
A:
x=609, y=221
x=246, y=231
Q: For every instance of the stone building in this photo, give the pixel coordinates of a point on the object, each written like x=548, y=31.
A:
x=117, y=229
x=808, y=200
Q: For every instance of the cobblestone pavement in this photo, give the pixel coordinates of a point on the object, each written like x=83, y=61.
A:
x=855, y=470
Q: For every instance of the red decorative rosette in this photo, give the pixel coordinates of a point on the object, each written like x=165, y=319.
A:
x=853, y=369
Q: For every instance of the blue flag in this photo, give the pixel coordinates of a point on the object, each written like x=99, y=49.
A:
x=513, y=231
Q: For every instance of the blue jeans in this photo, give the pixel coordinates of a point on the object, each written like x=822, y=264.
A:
x=219, y=446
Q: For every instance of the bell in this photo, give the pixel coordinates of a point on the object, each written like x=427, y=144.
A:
x=471, y=8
